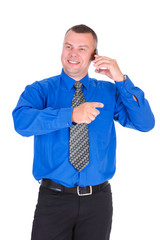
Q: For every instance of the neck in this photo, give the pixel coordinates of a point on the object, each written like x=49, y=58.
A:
x=76, y=77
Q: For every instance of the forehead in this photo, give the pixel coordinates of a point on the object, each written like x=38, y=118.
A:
x=78, y=39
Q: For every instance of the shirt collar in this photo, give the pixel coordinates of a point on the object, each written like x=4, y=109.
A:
x=69, y=82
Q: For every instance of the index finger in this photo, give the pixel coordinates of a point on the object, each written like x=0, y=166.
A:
x=98, y=58
x=97, y=104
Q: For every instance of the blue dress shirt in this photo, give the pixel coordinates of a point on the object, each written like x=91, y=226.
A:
x=44, y=111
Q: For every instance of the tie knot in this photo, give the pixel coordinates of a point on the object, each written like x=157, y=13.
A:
x=78, y=85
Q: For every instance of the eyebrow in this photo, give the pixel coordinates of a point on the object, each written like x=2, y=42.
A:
x=86, y=46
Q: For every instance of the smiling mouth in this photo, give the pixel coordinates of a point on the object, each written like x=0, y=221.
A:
x=73, y=62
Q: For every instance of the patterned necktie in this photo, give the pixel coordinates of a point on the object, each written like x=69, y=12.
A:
x=79, y=143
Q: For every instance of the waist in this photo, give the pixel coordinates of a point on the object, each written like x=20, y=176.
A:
x=80, y=191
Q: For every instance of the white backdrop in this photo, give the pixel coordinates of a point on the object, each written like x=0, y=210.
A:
x=31, y=41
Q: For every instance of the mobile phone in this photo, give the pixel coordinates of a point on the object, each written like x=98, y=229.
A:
x=92, y=56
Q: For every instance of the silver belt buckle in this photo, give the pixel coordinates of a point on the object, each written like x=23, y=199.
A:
x=84, y=194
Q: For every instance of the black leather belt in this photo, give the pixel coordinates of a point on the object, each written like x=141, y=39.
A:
x=80, y=191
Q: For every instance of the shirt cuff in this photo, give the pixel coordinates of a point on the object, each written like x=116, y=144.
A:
x=126, y=88
x=66, y=117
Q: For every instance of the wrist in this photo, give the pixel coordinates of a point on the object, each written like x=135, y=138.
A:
x=73, y=115
x=122, y=78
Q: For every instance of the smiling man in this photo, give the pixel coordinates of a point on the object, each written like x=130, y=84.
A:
x=76, y=54
x=71, y=117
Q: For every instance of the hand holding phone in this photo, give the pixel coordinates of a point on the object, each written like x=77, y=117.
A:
x=108, y=67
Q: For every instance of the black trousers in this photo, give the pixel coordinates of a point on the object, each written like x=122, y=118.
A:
x=61, y=216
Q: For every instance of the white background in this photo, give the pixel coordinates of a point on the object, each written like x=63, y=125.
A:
x=31, y=41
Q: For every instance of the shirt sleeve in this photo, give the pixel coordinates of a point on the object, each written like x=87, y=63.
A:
x=131, y=113
x=31, y=117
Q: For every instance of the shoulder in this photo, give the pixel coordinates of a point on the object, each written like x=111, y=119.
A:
x=51, y=81
x=45, y=84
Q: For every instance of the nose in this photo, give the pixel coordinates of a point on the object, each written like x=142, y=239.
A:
x=73, y=53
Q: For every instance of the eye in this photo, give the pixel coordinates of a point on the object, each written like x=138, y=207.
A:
x=82, y=49
x=68, y=46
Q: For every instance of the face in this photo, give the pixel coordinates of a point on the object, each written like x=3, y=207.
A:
x=76, y=54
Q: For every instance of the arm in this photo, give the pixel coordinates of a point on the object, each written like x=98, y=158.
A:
x=31, y=117
x=132, y=109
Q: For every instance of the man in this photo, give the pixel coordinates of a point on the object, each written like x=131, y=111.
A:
x=71, y=117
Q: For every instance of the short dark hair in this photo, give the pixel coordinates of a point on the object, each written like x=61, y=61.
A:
x=84, y=29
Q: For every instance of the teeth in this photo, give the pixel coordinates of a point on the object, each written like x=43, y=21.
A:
x=72, y=62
